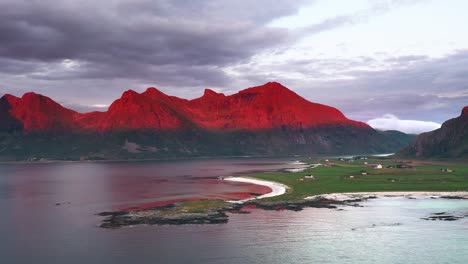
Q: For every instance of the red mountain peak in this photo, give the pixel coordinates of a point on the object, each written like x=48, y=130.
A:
x=10, y=96
x=9, y=99
x=7, y=121
x=151, y=109
x=129, y=98
x=269, y=106
x=40, y=103
x=208, y=93
x=269, y=87
x=154, y=92
x=30, y=94
x=274, y=92
x=129, y=94
x=39, y=113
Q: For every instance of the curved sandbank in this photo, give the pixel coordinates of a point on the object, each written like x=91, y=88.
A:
x=414, y=194
x=280, y=189
x=276, y=187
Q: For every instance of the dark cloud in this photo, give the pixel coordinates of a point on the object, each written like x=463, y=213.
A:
x=141, y=40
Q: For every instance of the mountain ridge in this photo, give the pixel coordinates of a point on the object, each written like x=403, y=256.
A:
x=449, y=141
x=262, y=107
x=266, y=120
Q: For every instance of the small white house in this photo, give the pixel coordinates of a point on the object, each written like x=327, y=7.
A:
x=378, y=167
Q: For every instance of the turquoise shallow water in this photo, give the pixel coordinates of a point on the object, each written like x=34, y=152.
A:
x=34, y=230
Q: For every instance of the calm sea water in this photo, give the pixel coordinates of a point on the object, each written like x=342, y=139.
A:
x=33, y=229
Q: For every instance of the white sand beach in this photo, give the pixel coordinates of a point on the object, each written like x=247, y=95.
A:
x=276, y=188
x=349, y=196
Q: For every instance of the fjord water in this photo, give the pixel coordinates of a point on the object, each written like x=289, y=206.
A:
x=34, y=229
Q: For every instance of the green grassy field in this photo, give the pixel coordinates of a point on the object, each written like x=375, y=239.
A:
x=340, y=177
x=201, y=206
x=344, y=176
x=425, y=176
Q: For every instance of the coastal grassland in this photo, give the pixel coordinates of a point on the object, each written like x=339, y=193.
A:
x=345, y=176
x=200, y=206
x=339, y=176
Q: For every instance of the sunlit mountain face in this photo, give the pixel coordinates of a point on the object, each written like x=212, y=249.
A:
x=258, y=108
x=264, y=120
x=388, y=63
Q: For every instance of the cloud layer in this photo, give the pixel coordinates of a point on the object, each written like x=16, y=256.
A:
x=143, y=40
x=85, y=53
x=391, y=122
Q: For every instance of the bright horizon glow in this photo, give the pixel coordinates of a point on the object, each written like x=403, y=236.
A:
x=391, y=122
x=382, y=28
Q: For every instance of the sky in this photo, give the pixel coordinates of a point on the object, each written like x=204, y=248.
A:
x=395, y=64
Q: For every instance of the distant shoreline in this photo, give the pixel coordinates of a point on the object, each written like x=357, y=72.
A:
x=381, y=194
x=144, y=160
x=52, y=161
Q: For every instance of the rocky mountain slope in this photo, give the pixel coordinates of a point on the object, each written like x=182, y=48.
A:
x=449, y=141
x=264, y=120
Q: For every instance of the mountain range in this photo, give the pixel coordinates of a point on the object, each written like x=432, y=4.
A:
x=449, y=141
x=267, y=120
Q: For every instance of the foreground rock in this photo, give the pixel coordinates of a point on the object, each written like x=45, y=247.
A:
x=317, y=202
x=154, y=217
x=216, y=212
x=443, y=216
x=172, y=214
x=179, y=214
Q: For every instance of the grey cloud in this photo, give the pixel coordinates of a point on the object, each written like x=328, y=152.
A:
x=414, y=91
x=182, y=75
x=136, y=39
x=142, y=40
x=12, y=66
x=414, y=87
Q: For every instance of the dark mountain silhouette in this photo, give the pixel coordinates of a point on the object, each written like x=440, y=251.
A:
x=449, y=141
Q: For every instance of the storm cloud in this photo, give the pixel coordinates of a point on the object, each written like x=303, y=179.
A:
x=142, y=40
